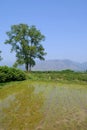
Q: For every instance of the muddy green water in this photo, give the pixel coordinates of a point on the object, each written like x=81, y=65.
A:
x=43, y=106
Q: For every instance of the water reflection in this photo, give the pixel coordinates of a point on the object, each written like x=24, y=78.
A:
x=42, y=106
x=25, y=112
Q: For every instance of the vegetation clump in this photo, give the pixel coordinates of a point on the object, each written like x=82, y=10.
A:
x=11, y=74
x=61, y=76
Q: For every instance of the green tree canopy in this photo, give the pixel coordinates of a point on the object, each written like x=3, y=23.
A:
x=26, y=42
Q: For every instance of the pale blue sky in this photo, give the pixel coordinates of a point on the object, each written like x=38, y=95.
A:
x=63, y=22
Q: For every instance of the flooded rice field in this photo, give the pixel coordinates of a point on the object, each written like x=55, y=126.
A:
x=43, y=106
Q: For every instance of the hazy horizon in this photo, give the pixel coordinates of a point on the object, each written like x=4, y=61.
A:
x=7, y=63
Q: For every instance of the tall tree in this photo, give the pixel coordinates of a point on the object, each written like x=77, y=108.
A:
x=26, y=42
x=0, y=57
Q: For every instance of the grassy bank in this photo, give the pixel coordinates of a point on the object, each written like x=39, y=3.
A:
x=60, y=76
x=64, y=77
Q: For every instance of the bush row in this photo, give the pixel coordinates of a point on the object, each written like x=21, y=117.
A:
x=11, y=74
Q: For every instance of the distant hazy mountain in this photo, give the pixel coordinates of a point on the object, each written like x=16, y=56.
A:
x=55, y=65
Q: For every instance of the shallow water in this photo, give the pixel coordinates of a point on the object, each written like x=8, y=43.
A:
x=43, y=106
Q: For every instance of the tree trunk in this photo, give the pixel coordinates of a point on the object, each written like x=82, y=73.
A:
x=29, y=67
x=26, y=66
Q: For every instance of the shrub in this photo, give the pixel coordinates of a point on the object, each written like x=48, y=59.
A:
x=2, y=77
x=11, y=74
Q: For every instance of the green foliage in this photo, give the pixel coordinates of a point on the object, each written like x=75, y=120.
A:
x=67, y=71
x=64, y=75
x=26, y=42
x=11, y=74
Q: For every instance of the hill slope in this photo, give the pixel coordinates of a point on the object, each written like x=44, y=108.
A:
x=55, y=65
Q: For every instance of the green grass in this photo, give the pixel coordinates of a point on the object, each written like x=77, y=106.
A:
x=43, y=105
x=65, y=76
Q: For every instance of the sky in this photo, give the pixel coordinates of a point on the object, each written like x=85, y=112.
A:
x=63, y=22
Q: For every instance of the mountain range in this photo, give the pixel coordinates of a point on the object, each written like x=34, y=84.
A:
x=53, y=65
x=56, y=65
